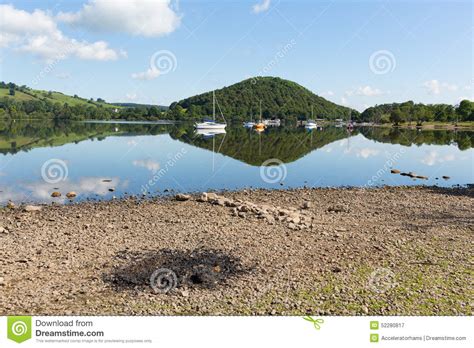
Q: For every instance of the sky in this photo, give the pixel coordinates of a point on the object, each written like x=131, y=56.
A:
x=354, y=53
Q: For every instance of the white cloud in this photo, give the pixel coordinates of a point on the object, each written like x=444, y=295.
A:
x=131, y=96
x=149, y=164
x=366, y=91
x=38, y=34
x=434, y=157
x=261, y=7
x=436, y=87
x=150, y=74
x=136, y=17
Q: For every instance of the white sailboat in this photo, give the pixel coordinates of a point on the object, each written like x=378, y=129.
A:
x=211, y=124
x=311, y=124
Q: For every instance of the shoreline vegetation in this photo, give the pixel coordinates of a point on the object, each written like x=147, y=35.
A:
x=353, y=251
x=240, y=102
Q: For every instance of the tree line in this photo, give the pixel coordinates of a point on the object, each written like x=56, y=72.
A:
x=409, y=112
x=240, y=102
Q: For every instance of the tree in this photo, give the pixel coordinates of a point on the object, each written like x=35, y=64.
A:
x=396, y=116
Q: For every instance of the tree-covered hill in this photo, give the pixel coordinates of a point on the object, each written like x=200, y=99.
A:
x=397, y=113
x=280, y=98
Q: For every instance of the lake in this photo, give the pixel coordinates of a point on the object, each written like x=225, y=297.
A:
x=106, y=160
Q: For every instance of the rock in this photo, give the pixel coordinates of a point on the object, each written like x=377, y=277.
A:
x=31, y=208
x=412, y=175
x=422, y=177
x=2, y=281
x=242, y=214
x=395, y=171
x=182, y=197
x=244, y=208
x=336, y=269
x=106, y=180
x=56, y=194
x=184, y=293
x=212, y=197
x=338, y=209
x=307, y=205
x=220, y=201
x=3, y=230
x=230, y=203
x=445, y=177
x=71, y=194
x=112, y=189
x=11, y=205
x=203, y=197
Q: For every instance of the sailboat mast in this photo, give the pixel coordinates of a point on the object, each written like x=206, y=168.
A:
x=213, y=105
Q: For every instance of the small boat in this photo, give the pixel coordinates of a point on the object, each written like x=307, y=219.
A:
x=260, y=126
x=211, y=124
x=272, y=123
x=310, y=124
x=249, y=124
x=209, y=133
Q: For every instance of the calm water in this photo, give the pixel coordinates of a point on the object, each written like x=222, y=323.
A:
x=38, y=158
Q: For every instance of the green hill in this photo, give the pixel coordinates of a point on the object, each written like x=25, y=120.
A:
x=24, y=93
x=280, y=98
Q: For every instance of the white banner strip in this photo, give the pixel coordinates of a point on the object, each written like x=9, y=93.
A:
x=237, y=331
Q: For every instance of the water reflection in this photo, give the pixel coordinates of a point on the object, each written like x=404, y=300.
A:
x=143, y=157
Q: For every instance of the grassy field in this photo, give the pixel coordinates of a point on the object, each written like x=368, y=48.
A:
x=55, y=97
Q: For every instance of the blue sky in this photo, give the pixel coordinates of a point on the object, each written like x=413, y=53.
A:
x=357, y=53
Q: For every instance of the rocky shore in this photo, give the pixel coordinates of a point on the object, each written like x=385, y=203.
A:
x=387, y=251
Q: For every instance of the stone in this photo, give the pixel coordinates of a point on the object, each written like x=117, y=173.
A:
x=56, y=194
x=422, y=177
x=71, y=194
x=112, y=189
x=445, y=177
x=11, y=205
x=3, y=230
x=2, y=281
x=220, y=201
x=212, y=197
x=395, y=171
x=32, y=208
x=203, y=197
x=307, y=205
x=182, y=197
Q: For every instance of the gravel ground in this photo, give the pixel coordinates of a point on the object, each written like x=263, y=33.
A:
x=387, y=251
